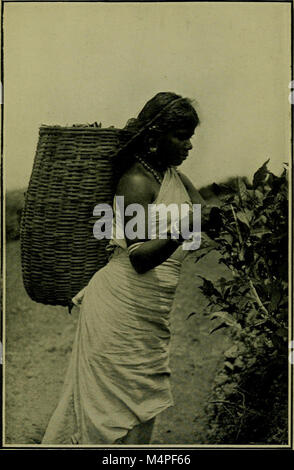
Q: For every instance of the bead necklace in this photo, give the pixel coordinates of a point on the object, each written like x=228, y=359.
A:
x=152, y=170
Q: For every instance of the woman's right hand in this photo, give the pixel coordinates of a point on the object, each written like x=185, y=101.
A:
x=183, y=228
x=211, y=222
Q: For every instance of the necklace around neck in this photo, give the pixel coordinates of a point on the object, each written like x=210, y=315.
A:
x=151, y=170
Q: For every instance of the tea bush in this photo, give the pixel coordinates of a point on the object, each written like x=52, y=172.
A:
x=249, y=399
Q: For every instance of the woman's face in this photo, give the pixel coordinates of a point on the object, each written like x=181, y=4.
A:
x=174, y=146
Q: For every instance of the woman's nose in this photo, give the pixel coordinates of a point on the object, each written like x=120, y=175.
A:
x=188, y=145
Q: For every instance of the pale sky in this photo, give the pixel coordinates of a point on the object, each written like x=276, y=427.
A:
x=68, y=63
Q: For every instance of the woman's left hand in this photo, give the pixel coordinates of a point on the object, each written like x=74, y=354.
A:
x=211, y=220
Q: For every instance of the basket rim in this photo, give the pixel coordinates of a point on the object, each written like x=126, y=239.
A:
x=80, y=127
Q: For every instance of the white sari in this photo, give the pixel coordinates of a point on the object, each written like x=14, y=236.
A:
x=119, y=373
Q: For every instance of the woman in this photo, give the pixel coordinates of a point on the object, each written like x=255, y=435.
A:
x=118, y=377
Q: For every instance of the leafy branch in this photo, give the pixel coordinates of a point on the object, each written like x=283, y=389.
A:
x=251, y=239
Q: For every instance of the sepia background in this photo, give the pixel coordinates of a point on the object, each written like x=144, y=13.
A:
x=68, y=63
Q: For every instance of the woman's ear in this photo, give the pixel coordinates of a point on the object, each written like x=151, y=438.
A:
x=152, y=141
x=152, y=144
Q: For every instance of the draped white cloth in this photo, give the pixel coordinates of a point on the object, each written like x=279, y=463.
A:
x=118, y=375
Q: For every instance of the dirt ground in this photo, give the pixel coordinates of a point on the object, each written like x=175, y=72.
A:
x=38, y=345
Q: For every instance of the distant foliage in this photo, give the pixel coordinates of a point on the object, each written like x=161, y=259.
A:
x=13, y=209
x=249, y=402
x=219, y=191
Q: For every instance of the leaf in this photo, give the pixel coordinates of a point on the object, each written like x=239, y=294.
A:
x=224, y=285
x=222, y=281
x=216, y=189
x=278, y=342
x=228, y=198
x=283, y=333
x=221, y=379
x=232, y=352
x=239, y=363
x=228, y=320
x=228, y=365
x=227, y=292
x=275, y=298
x=283, y=271
x=272, y=179
x=242, y=190
x=208, y=288
x=249, y=214
x=220, y=314
x=243, y=218
x=260, y=175
x=258, y=194
x=228, y=238
x=249, y=255
x=221, y=189
x=222, y=325
x=203, y=252
x=262, y=219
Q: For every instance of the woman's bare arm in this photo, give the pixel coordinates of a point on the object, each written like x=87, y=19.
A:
x=210, y=219
x=137, y=188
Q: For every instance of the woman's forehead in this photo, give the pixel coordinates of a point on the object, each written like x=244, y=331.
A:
x=185, y=130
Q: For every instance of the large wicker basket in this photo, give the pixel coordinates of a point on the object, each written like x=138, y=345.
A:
x=72, y=172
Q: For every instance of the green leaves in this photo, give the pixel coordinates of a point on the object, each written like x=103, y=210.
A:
x=242, y=191
x=227, y=320
x=260, y=175
x=209, y=289
x=252, y=305
x=232, y=352
x=242, y=216
x=252, y=243
x=258, y=195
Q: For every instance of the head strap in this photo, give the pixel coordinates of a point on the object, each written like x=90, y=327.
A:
x=149, y=123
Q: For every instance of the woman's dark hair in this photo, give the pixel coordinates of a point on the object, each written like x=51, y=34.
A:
x=172, y=110
x=165, y=112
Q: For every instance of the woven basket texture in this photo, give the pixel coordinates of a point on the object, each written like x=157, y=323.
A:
x=72, y=173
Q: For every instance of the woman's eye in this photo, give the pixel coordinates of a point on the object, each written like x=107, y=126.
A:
x=182, y=136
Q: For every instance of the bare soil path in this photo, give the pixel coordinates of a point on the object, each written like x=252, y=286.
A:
x=38, y=345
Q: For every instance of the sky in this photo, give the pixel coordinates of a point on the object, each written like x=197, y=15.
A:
x=68, y=63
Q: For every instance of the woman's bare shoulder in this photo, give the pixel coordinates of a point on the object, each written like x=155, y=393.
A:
x=135, y=184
